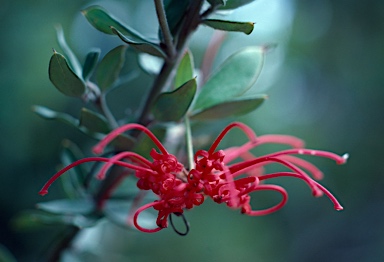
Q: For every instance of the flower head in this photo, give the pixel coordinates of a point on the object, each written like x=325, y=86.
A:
x=233, y=183
x=214, y=175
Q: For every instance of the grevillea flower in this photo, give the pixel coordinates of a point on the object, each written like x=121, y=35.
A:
x=213, y=175
x=233, y=183
x=163, y=176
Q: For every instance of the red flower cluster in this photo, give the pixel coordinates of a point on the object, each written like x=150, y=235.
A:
x=213, y=176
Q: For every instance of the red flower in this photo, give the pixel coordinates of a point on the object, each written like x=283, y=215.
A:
x=163, y=176
x=221, y=181
x=212, y=176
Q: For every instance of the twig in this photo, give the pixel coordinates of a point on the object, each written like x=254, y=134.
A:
x=188, y=138
x=165, y=28
x=190, y=24
x=107, y=113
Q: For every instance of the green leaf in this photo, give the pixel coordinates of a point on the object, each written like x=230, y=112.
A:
x=63, y=78
x=28, y=220
x=144, y=145
x=118, y=211
x=236, y=107
x=232, y=79
x=47, y=113
x=123, y=142
x=94, y=121
x=99, y=18
x=245, y=27
x=185, y=69
x=142, y=46
x=67, y=206
x=34, y=219
x=110, y=66
x=72, y=59
x=90, y=63
x=172, y=106
x=124, y=79
x=233, y=4
x=73, y=182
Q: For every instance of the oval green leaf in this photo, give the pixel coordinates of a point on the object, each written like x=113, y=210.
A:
x=49, y=114
x=63, y=78
x=94, y=121
x=172, y=106
x=185, y=69
x=110, y=66
x=245, y=27
x=33, y=219
x=90, y=63
x=99, y=18
x=118, y=211
x=232, y=79
x=144, y=144
x=145, y=47
x=66, y=118
x=67, y=206
x=235, y=107
x=72, y=59
x=123, y=142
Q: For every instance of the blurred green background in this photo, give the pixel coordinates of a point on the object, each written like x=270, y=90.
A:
x=325, y=84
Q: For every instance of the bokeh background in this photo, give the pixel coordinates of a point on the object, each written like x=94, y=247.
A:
x=325, y=84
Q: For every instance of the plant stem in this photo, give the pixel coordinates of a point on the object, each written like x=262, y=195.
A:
x=188, y=138
x=107, y=113
x=101, y=104
x=165, y=28
x=191, y=22
x=159, y=83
